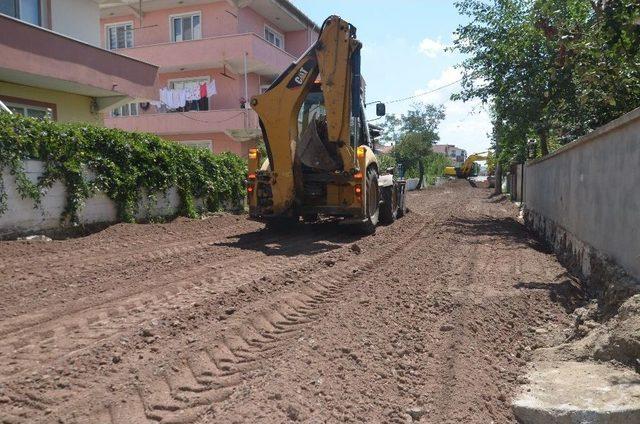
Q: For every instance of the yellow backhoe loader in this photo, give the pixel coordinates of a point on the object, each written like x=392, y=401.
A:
x=320, y=158
x=465, y=170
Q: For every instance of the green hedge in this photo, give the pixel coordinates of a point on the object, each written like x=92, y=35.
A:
x=124, y=163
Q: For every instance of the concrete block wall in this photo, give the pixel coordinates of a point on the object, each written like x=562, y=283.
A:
x=589, y=191
x=22, y=217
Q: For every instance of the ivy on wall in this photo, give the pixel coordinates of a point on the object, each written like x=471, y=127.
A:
x=123, y=166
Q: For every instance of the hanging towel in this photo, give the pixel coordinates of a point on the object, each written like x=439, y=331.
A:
x=192, y=93
x=165, y=96
x=203, y=90
x=211, y=88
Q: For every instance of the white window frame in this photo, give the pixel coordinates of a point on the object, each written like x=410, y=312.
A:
x=203, y=78
x=172, y=35
x=276, y=34
x=48, y=111
x=137, y=107
x=198, y=144
x=117, y=24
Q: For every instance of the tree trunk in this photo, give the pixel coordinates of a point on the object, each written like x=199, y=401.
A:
x=421, y=174
x=544, y=142
x=498, y=172
x=498, y=187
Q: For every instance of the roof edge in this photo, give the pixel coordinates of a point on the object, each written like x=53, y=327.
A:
x=293, y=9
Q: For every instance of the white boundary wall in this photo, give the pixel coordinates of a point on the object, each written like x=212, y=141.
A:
x=591, y=190
x=22, y=217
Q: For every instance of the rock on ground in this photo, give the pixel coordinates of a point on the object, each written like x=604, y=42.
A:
x=579, y=393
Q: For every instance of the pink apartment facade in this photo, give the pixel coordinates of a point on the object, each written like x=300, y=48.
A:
x=242, y=45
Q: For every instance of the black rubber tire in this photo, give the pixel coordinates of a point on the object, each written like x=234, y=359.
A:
x=388, y=211
x=372, y=204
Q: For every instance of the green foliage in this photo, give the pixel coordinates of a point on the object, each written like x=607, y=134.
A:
x=386, y=161
x=121, y=164
x=552, y=70
x=434, y=166
x=414, y=135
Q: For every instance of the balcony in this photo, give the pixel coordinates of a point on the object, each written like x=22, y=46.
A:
x=226, y=120
x=263, y=58
x=37, y=57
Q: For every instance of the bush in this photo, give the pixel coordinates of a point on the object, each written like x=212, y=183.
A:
x=385, y=162
x=124, y=164
x=434, y=167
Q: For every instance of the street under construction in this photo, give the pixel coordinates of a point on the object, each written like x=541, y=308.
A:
x=221, y=320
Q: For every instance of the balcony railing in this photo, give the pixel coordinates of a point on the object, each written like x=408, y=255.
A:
x=262, y=57
x=193, y=122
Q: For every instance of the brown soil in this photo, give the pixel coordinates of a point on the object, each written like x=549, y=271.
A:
x=221, y=320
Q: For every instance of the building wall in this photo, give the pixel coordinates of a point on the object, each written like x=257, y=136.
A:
x=216, y=19
x=250, y=21
x=220, y=141
x=69, y=107
x=590, y=190
x=229, y=90
x=297, y=42
x=79, y=19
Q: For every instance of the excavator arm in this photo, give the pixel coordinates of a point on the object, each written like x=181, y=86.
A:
x=335, y=59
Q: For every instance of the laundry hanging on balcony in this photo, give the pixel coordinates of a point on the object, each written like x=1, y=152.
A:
x=175, y=98
x=208, y=89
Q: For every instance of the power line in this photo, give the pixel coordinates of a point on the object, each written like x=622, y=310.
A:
x=403, y=99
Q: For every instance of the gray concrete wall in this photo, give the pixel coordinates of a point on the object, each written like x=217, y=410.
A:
x=22, y=217
x=591, y=189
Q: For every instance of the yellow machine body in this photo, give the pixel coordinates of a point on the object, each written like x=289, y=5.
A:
x=320, y=160
x=465, y=170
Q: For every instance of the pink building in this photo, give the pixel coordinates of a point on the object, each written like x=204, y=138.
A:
x=242, y=45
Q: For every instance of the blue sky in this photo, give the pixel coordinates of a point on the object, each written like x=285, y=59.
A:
x=404, y=55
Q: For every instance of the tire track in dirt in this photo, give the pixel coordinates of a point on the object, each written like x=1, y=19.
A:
x=72, y=333
x=61, y=254
x=192, y=386
x=19, y=323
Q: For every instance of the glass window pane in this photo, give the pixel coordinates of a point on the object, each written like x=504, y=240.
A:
x=17, y=110
x=30, y=11
x=133, y=109
x=125, y=110
x=111, y=43
x=177, y=29
x=129, y=35
x=120, y=34
x=186, y=29
x=197, y=32
x=8, y=7
x=37, y=113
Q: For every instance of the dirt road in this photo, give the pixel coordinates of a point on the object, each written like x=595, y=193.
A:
x=220, y=320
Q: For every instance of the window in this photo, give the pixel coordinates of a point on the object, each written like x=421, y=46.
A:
x=186, y=27
x=120, y=36
x=264, y=88
x=202, y=104
x=38, y=112
x=26, y=10
x=273, y=37
x=130, y=109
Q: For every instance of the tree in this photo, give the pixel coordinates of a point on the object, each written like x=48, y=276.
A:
x=413, y=135
x=552, y=70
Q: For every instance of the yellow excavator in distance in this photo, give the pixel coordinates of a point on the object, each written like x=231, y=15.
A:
x=320, y=153
x=466, y=169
